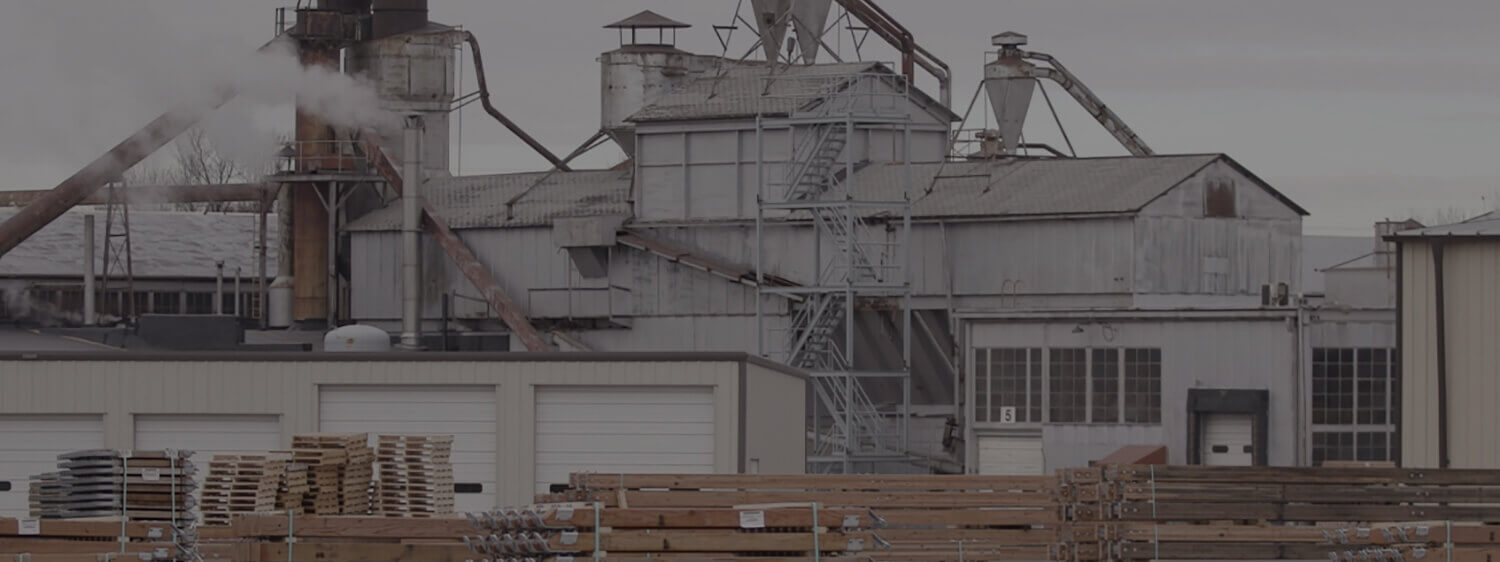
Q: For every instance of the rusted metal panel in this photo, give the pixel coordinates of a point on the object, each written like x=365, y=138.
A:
x=315, y=139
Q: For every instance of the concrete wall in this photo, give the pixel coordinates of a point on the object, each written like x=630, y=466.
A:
x=1256, y=351
x=288, y=386
x=1471, y=286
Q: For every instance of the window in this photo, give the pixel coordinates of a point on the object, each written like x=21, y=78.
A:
x=200, y=303
x=1067, y=376
x=1082, y=385
x=1142, y=386
x=1105, y=390
x=1351, y=404
x=1008, y=377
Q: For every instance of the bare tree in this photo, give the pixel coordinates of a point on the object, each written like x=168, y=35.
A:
x=199, y=164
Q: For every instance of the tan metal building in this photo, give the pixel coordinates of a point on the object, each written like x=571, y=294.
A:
x=1449, y=301
x=521, y=421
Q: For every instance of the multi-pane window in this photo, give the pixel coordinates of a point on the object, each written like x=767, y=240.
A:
x=1067, y=376
x=1142, y=386
x=1351, y=404
x=1081, y=385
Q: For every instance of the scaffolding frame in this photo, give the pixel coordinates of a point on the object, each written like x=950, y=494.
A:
x=859, y=254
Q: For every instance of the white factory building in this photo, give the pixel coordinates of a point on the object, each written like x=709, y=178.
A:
x=520, y=422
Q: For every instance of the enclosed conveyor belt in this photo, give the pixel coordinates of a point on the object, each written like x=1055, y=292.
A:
x=110, y=166
x=459, y=252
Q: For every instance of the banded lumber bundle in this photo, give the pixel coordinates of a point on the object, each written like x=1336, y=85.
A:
x=69, y=540
x=238, y=484
x=415, y=475
x=340, y=472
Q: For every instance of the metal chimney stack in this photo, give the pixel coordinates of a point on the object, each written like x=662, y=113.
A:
x=411, y=235
x=1010, y=81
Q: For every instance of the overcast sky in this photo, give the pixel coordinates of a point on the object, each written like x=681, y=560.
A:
x=1356, y=109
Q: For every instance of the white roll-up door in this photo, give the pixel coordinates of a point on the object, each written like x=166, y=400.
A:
x=465, y=412
x=637, y=429
x=1006, y=455
x=207, y=435
x=1228, y=440
x=29, y=445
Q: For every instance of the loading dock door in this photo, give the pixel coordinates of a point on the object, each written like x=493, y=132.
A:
x=1228, y=440
x=465, y=412
x=1011, y=456
x=622, y=430
x=29, y=445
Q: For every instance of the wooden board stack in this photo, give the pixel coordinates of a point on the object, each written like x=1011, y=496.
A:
x=1166, y=513
x=240, y=484
x=45, y=495
x=889, y=517
x=415, y=475
x=143, y=486
x=341, y=472
x=92, y=541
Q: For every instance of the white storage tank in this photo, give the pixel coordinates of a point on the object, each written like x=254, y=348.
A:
x=357, y=338
x=279, y=303
x=647, y=65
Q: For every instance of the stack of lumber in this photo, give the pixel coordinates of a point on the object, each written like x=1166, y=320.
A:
x=340, y=472
x=415, y=475
x=90, y=541
x=141, y=486
x=45, y=495
x=1180, y=513
x=240, y=484
x=890, y=517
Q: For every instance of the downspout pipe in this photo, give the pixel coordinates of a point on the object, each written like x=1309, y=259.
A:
x=1400, y=390
x=411, y=233
x=484, y=100
x=89, y=289
x=1441, y=305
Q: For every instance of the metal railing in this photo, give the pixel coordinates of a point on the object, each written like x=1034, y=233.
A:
x=323, y=156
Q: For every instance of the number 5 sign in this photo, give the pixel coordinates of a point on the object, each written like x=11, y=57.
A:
x=1007, y=414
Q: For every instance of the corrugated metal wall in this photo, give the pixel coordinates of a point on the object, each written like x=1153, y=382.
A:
x=1250, y=352
x=289, y=388
x=1471, y=276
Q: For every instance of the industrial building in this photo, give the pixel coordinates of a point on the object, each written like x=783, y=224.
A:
x=960, y=300
x=521, y=422
x=178, y=263
x=1447, y=326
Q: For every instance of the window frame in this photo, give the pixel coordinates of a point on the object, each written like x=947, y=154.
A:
x=1035, y=389
x=1364, y=367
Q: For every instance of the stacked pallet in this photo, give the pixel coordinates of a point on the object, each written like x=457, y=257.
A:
x=1167, y=513
x=240, y=484
x=293, y=487
x=141, y=486
x=45, y=495
x=415, y=475
x=340, y=472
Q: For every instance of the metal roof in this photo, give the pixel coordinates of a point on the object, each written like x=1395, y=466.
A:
x=481, y=201
x=163, y=245
x=1005, y=188
x=647, y=18
x=1483, y=226
x=742, y=92
x=1024, y=187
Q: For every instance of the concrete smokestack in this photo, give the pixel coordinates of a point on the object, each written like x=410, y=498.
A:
x=411, y=232
x=88, y=270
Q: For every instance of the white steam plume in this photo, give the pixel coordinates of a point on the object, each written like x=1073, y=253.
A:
x=79, y=76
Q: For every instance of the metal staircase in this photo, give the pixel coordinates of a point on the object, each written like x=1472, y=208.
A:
x=853, y=258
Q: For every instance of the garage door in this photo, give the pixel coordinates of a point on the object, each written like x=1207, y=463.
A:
x=1228, y=440
x=465, y=412
x=1009, y=455
x=623, y=430
x=30, y=445
x=207, y=435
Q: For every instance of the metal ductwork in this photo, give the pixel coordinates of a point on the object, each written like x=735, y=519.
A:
x=771, y=19
x=394, y=17
x=811, y=17
x=1010, y=81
